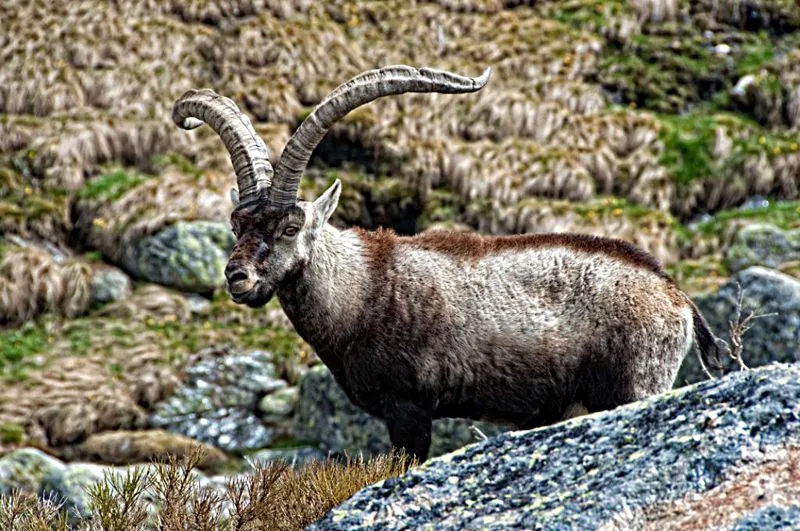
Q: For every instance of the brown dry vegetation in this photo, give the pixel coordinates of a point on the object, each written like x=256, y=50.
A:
x=274, y=496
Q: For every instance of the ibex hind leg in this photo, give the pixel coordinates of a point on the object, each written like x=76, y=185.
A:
x=409, y=426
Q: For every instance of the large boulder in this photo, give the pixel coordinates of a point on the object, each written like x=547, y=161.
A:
x=218, y=401
x=24, y=470
x=717, y=454
x=70, y=486
x=772, y=338
x=326, y=416
x=188, y=256
x=130, y=447
x=765, y=245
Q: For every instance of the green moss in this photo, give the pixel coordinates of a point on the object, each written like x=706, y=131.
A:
x=783, y=214
x=689, y=143
x=110, y=186
x=699, y=276
x=92, y=257
x=755, y=55
x=17, y=347
x=666, y=73
x=177, y=161
x=11, y=433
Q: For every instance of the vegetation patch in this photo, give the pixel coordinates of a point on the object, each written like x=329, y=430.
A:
x=18, y=347
x=110, y=186
x=783, y=214
x=689, y=142
x=274, y=496
x=11, y=433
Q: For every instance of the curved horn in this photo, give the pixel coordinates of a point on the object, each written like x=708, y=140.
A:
x=362, y=89
x=248, y=153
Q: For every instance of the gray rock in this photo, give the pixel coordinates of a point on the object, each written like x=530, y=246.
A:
x=773, y=338
x=296, y=457
x=218, y=401
x=769, y=519
x=69, y=485
x=279, y=404
x=764, y=245
x=24, y=470
x=587, y=472
x=109, y=284
x=326, y=416
x=188, y=256
x=198, y=304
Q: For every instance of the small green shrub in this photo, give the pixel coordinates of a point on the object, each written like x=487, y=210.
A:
x=11, y=433
x=110, y=186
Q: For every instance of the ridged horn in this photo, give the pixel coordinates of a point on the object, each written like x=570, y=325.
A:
x=360, y=90
x=248, y=153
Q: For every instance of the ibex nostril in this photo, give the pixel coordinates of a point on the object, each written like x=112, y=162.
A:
x=235, y=273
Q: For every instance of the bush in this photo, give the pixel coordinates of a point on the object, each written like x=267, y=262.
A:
x=273, y=496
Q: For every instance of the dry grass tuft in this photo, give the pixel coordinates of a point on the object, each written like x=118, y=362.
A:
x=272, y=496
x=113, y=225
x=23, y=511
x=33, y=282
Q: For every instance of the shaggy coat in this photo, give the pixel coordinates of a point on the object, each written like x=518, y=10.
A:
x=517, y=329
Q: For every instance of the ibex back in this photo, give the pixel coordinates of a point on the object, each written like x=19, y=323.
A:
x=522, y=330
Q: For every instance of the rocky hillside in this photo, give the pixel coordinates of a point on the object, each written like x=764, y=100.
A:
x=668, y=123
x=718, y=455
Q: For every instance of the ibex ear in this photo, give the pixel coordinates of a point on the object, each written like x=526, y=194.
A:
x=235, y=197
x=326, y=204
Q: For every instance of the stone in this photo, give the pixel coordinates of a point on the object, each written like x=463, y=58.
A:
x=649, y=461
x=326, y=416
x=109, y=284
x=775, y=338
x=763, y=245
x=198, y=305
x=25, y=468
x=187, y=256
x=217, y=403
x=279, y=404
x=296, y=457
x=131, y=447
x=69, y=485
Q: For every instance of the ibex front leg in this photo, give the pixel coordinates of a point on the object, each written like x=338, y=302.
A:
x=409, y=427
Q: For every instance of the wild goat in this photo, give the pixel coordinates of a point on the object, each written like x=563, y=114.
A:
x=522, y=330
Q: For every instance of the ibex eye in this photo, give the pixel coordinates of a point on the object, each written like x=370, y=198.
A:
x=290, y=231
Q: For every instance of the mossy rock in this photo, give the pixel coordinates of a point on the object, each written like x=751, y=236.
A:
x=765, y=245
x=189, y=256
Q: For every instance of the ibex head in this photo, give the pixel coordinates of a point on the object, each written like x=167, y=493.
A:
x=275, y=231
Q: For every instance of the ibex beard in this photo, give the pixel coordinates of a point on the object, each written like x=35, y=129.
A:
x=523, y=330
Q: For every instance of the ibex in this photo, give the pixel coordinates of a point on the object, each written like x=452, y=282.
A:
x=521, y=330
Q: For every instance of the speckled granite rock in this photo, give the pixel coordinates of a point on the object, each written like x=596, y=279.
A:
x=109, y=284
x=774, y=338
x=587, y=472
x=325, y=415
x=69, y=485
x=24, y=470
x=769, y=519
x=218, y=401
x=188, y=256
x=764, y=245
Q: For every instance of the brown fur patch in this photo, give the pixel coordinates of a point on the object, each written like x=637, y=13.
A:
x=468, y=246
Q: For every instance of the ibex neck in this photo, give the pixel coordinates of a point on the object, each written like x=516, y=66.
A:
x=325, y=300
